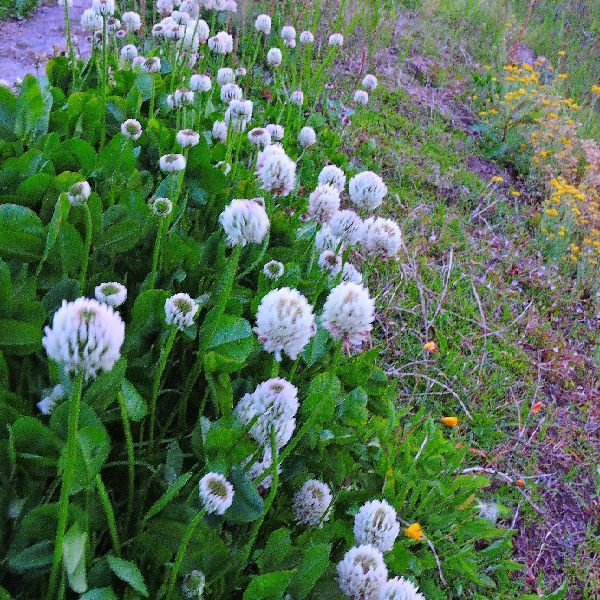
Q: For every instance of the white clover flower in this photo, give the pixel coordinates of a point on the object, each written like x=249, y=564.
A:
x=489, y=511
x=272, y=405
x=223, y=166
x=350, y=274
x=226, y=5
x=131, y=129
x=137, y=62
x=181, y=18
x=307, y=137
x=219, y=131
x=277, y=132
x=193, y=585
x=112, y=293
x=180, y=310
x=381, y=237
x=129, y=52
x=188, y=58
x=190, y=7
x=306, y=37
x=361, y=97
x=336, y=39
x=367, y=190
x=273, y=269
x=91, y=20
x=244, y=222
x=164, y=7
x=312, y=503
x=86, y=337
x=106, y=8
x=170, y=163
x=276, y=171
x=241, y=72
x=161, y=207
x=207, y=4
x=231, y=92
x=78, y=193
x=325, y=240
x=132, y=21
x=180, y=97
x=323, y=203
x=216, y=493
x=288, y=34
x=347, y=226
x=196, y=33
x=274, y=57
x=369, y=82
x=222, y=43
x=332, y=175
x=330, y=262
x=112, y=24
x=151, y=65
x=376, y=524
x=297, y=97
x=361, y=573
x=225, y=75
x=399, y=589
x=187, y=138
x=200, y=83
x=263, y=24
x=260, y=137
x=48, y=403
x=239, y=113
x=284, y=322
x=257, y=468
x=348, y=315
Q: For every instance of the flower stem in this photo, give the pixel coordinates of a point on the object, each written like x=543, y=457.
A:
x=130, y=456
x=187, y=536
x=162, y=363
x=67, y=480
x=109, y=513
x=87, y=244
x=156, y=253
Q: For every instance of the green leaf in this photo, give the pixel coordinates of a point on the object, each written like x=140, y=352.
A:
x=103, y=391
x=247, y=504
x=6, y=289
x=120, y=237
x=135, y=404
x=99, y=594
x=61, y=212
x=33, y=557
x=8, y=113
x=322, y=395
x=279, y=545
x=270, y=586
x=168, y=496
x=22, y=234
x=65, y=289
x=129, y=573
x=94, y=447
x=33, y=109
x=74, y=558
x=314, y=563
x=353, y=409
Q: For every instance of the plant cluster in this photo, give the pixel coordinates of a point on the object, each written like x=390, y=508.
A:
x=185, y=300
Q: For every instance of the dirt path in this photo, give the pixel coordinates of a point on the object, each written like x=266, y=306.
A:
x=26, y=46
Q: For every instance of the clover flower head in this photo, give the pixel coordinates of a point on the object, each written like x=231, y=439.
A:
x=332, y=175
x=85, y=337
x=78, y=193
x=312, y=503
x=131, y=129
x=350, y=274
x=362, y=572
x=399, y=589
x=361, y=97
x=376, y=524
x=297, y=97
x=272, y=405
x=164, y=7
x=190, y=7
x=180, y=310
x=273, y=269
x=219, y=131
x=277, y=131
x=381, y=238
x=326, y=240
x=263, y=24
x=105, y=8
x=244, y=222
x=91, y=20
x=195, y=33
x=330, y=262
x=216, y=493
x=323, y=203
x=285, y=322
x=488, y=510
x=207, y=4
x=181, y=18
x=241, y=72
x=369, y=82
x=187, y=138
x=260, y=136
x=222, y=43
x=161, y=207
x=151, y=65
x=307, y=137
x=225, y=75
x=193, y=585
x=239, y=113
x=180, y=97
x=276, y=171
x=336, y=39
x=347, y=226
x=274, y=57
x=129, y=52
x=231, y=92
x=258, y=467
x=112, y=293
x=288, y=34
x=306, y=37
x=367, y=190
x=48, y=402
x=348, y=315
x=170, y=163
x=200, y=83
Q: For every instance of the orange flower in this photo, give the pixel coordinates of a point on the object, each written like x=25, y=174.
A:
x=414, y=531
x=432, y=347
x=450, y=421
x=520, y=482
x=536, y=407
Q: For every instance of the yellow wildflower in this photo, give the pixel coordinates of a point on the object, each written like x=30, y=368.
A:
x=449, y=421
x=497, y=179
x=414, y=531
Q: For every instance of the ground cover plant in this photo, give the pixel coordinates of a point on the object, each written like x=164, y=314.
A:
x=226, y=371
